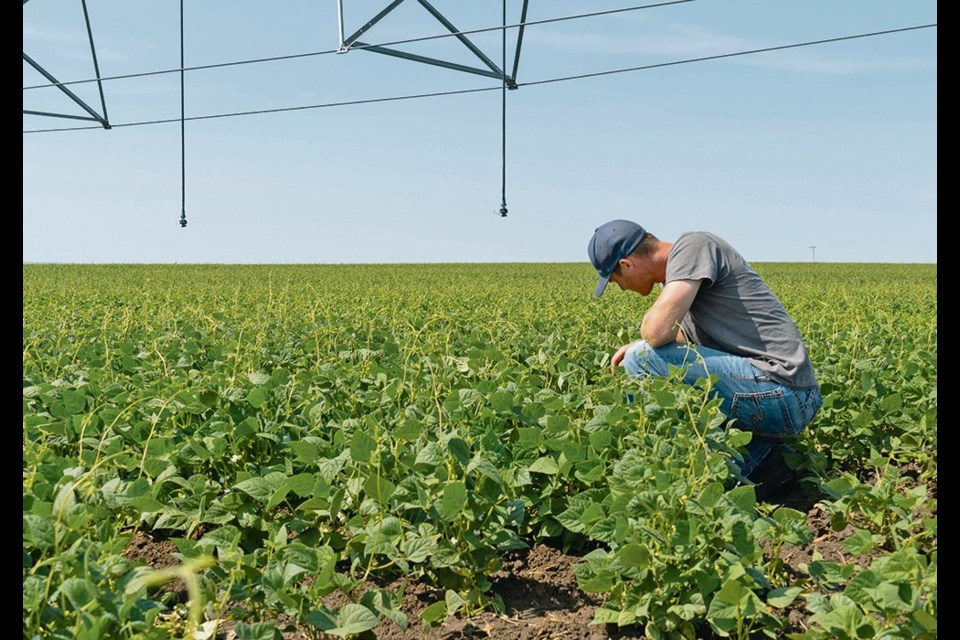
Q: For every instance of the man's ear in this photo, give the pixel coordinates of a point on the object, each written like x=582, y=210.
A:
x=623, y=262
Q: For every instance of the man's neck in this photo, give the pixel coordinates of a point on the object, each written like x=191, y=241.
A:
x=659, y=257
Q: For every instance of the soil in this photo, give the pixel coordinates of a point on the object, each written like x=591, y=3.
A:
x=540, y=592
x=542, y=602
x=146, y=549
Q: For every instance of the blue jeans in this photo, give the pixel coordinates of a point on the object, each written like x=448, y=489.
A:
x=771, y=410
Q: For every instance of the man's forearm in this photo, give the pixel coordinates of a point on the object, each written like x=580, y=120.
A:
x=658, y=330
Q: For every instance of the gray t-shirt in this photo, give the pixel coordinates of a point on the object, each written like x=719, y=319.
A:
x=735, y=311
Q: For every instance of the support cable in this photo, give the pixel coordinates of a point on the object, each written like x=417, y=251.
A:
x=720, y=56
x=531, y=83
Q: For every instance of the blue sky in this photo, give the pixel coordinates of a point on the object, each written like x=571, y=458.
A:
x=831, y=146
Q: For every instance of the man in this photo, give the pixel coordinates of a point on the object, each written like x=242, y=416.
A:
x=713, y=315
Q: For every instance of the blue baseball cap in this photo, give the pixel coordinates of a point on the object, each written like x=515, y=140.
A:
x=611, y=242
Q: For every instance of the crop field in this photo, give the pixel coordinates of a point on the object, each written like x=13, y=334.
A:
x=440, y=451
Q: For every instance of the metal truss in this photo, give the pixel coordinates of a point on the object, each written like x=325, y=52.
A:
x=93, y=115
x=489, y=68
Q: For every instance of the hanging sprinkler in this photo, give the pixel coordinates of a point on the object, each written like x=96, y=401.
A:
x=503, y=114
x=183, y=144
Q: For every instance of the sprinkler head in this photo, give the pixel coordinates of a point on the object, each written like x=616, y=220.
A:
x=183, y=222
x=503, y=210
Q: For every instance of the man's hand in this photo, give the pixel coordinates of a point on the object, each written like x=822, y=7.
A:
x=617, y=359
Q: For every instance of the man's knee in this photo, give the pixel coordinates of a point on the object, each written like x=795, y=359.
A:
x=637, y=360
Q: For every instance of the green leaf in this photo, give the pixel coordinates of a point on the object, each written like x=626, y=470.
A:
x=79, y=591
x=460, y=450
x=390, y=528
x=859, y=543
x=323, y=618
x=225, y=537
x=305, y=452
x=570, y=517
x=74, y=401
x=600, y=440
x=783, y=597
x=453, y=500
x=351, y=619
x=592, y=513
x=354, y=618
x=846, y=621
x=258, y=378
x=545, y=465
x=818, y=603
x=484, y=467
x=634, y=555
x=261, y=487
x=301, y=484
x=664, y=398
x=257, y=397
x=385, y=603
x=609, y=529
x=301, y=556
x=469, y=397
x=529, y=438
x=739, y=439
x=745, y=498
x=605, y=616
x=34, y=589
x=434, y=613
x=330, y=467
x=552, y=529
x=710, y=495
x=38, y=530
x=429, y=457
x=64, y=501
x=145, y=504
x=409, y=431
x=829, y=574
x=418, y=549
x=278, y=496
x=925, y=620
x=557, y=423
x=573, y=452
x=788, y=516
x=892, y=403
x=900, y=566
x=445, y=555
x=501, y=401
x=246, y=428
x=589, y=472
x=733, y=604
x=379, y=488
x=208, y=397
x=602, y=582
x=838, y=487
x=99, y=628
x=257, y=631
x=889, y=598
x=453, y=601
x=362, y=446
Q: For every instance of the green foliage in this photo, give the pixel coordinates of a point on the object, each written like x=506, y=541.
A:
x=310, y=427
